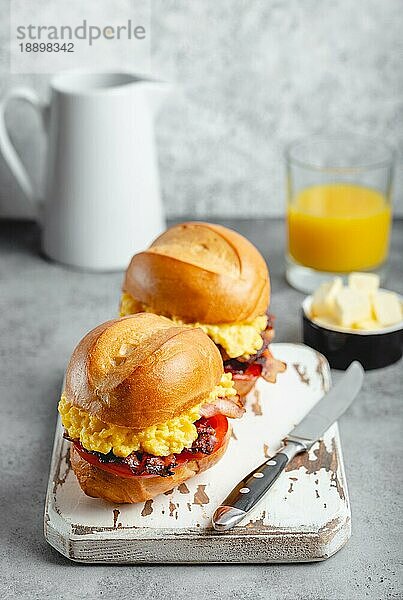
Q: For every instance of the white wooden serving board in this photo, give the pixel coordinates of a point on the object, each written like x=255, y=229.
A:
x=305, y=516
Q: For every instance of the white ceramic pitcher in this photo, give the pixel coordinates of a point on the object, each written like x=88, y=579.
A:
x=102, y=199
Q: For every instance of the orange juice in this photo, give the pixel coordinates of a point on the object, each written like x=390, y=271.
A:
x=339, y=227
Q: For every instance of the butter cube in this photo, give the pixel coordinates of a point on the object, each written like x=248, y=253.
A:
x=367, y=325
x=325, y=322
x=387, y=308
x=351, y=306
x=364, y=282
x=323, y=298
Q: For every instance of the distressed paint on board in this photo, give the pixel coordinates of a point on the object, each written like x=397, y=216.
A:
x=306, y=515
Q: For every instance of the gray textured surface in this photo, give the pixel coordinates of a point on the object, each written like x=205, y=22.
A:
x=45, y=309
x=252, y=75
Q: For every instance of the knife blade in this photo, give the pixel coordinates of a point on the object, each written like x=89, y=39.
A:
x=257, y=483
x=333, y=404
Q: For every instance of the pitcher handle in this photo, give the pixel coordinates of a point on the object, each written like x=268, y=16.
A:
x=7, y=148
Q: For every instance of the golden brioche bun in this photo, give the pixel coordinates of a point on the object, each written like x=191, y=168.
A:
x=141, y=370
x=200, y=272
x=98, y=483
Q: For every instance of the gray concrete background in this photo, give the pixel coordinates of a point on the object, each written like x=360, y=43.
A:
x=45, y=309
x=252, y=75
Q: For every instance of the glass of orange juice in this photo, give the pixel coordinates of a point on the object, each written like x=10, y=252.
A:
x=338, y=208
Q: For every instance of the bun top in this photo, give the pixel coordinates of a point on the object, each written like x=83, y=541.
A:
x=200, y=272
x=141, y=370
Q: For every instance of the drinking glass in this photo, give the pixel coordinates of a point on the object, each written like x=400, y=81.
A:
x=339, y=209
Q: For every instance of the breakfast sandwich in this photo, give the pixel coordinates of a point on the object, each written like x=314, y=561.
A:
x=210, y=277
x=145, y=406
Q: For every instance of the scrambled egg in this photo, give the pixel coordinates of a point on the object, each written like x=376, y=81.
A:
x=237, y=339
x=161, y=440
x=130, y=306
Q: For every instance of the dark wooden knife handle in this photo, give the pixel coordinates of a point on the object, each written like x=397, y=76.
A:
x=253, y=487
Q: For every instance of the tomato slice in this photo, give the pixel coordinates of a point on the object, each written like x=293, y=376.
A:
x=254, y=370
x=218, y=422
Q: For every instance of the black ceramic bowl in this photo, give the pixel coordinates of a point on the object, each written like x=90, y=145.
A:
x=373, y=349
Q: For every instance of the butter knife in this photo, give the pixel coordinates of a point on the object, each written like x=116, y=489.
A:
x=254, y=486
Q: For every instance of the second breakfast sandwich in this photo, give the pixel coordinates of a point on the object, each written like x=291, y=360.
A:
x=145, y=406
x=207, y=276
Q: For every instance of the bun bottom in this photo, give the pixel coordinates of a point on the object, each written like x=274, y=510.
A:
x=244, y=386
x=98, y=483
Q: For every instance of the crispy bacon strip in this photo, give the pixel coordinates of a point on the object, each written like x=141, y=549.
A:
x=229, y=407
x=206, y=438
